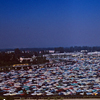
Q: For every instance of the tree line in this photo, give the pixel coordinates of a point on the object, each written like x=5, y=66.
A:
x=8, y=59
x=77, y=49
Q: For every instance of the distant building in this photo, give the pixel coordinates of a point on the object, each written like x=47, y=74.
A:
x=27, y=59
x=23, y=59
x=51, y=51
x=84, y=51
x=10, y=52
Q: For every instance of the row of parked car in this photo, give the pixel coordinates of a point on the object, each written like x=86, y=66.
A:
x=81, y=78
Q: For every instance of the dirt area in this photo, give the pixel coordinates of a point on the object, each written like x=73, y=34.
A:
x=63, y=99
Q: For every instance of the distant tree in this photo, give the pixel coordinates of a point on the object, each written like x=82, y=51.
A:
x=36, y=53
x=17, y=51
x=60, y=49
x=71, y=49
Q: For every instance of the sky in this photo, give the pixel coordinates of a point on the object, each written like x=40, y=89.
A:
x=49, y=23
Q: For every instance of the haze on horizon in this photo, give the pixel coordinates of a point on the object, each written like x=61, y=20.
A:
x=49, y=23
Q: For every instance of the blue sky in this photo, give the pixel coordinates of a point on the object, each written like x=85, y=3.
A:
x=49, y=23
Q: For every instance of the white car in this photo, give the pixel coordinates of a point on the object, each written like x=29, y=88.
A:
x=34, y=93
x=7, y=94
x=49, y=93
